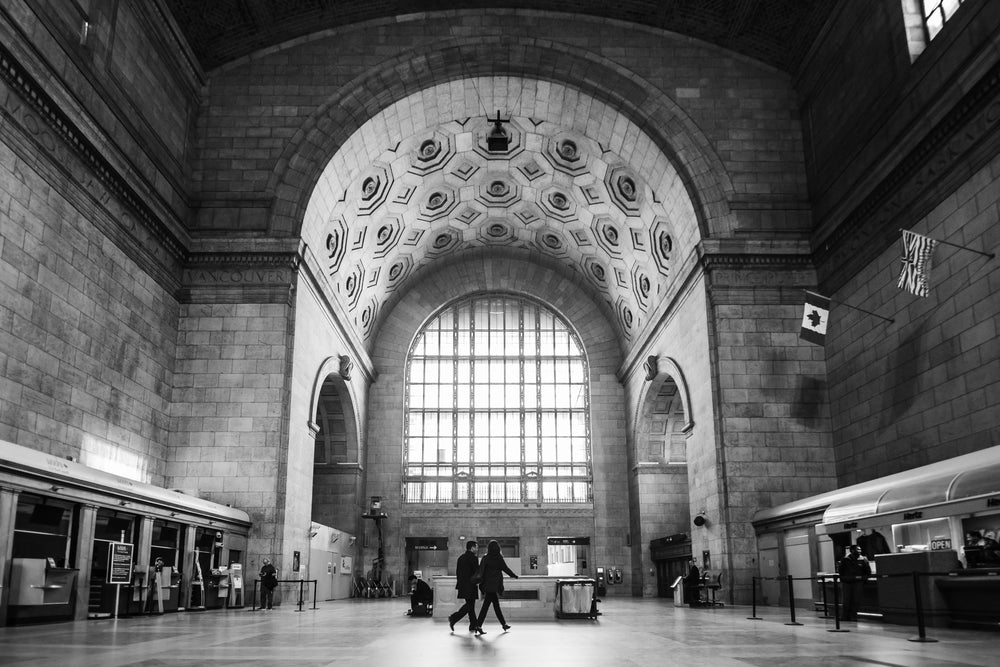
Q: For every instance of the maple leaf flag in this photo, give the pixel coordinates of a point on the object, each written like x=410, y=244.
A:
x=815, y=318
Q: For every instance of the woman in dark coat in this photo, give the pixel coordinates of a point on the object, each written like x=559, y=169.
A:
x=492, y=568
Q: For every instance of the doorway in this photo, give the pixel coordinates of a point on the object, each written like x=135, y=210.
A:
x=568, y=556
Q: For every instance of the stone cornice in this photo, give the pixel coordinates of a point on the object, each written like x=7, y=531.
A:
x=248, y=259
x=736, y=264
x=733, y=261
x=240, y=276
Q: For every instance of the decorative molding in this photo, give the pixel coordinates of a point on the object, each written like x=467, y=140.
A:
x=714, y=262
x=269, y=259
x=59, y=125
x=736, y=272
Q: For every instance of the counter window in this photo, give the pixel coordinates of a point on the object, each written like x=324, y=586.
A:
x=982, y=541
x=930, y=535
x=42, y=529
x=165, y=542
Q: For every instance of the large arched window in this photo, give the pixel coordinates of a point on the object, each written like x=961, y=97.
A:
x=497, y=407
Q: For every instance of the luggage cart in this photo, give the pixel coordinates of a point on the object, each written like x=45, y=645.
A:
x=576, y=598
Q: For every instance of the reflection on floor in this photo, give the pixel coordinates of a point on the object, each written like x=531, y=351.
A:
x=378, y=632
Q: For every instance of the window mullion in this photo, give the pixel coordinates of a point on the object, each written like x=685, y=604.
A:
x=474, y=326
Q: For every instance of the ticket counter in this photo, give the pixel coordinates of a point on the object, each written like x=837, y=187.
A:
x=972, y=597
x=41, y=591
x=941, y=520
x=59, y=520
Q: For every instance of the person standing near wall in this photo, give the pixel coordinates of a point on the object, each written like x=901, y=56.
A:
x=268, y=582
x=854, y=570
x=692, y=585
x=491, y=571
x=467, y=566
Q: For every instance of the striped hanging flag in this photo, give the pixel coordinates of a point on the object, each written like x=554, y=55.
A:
x=915, y=275
x=815, y=318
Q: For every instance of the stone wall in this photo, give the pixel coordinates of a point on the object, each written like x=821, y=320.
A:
x=86, y=326
x=925, y=387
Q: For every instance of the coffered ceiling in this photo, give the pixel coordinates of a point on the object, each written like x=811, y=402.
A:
x=616, y=222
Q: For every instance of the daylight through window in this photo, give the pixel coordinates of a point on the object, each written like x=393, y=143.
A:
x=497, y=405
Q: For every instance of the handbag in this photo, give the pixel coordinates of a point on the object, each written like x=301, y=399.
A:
x=477, y=576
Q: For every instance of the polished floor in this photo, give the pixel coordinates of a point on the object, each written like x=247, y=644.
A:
x=374, y=633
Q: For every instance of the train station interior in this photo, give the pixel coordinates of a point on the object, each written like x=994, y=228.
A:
x=624, y=287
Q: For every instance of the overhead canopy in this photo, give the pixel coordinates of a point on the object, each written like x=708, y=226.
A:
x=964, y=484
x=40, y=470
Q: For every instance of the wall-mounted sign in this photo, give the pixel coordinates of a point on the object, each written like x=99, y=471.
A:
x=910, y=516
x=941, y=544
x=427, y=543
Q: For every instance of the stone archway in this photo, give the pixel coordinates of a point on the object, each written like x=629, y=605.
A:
x=338, y=447
x=659, y=480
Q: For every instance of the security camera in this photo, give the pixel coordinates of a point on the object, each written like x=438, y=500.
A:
x=218, y=535
x=700, y=520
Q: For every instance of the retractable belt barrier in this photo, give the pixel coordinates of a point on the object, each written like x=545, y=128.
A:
x=835, y=579
x=300, y=582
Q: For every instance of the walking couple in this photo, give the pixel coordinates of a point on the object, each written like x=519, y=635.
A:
x=488, y=574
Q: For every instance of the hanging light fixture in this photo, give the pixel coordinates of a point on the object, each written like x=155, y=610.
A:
x=498, y=140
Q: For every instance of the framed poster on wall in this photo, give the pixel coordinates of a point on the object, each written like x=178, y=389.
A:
x=346, y=564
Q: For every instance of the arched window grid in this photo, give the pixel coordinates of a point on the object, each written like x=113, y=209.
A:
x=497, y=407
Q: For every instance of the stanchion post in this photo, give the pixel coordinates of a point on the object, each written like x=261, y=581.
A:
x=315, y=583
x=918, y=602
x=254, y=607
x=822, y=585
x=791, y=602
x=753, y=595
x=301, y=581
x=836, y=607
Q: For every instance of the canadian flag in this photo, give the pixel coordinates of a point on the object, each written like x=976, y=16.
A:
x=815, y=317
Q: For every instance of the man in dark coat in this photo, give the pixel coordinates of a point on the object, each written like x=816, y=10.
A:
x=268, y=582
x=854, y=571
x=421, y=595
x=468, y=565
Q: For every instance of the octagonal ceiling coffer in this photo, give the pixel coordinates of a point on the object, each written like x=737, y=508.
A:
x=432, y=154
x=623, y=188
x=566, y=154
x=375, y=188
